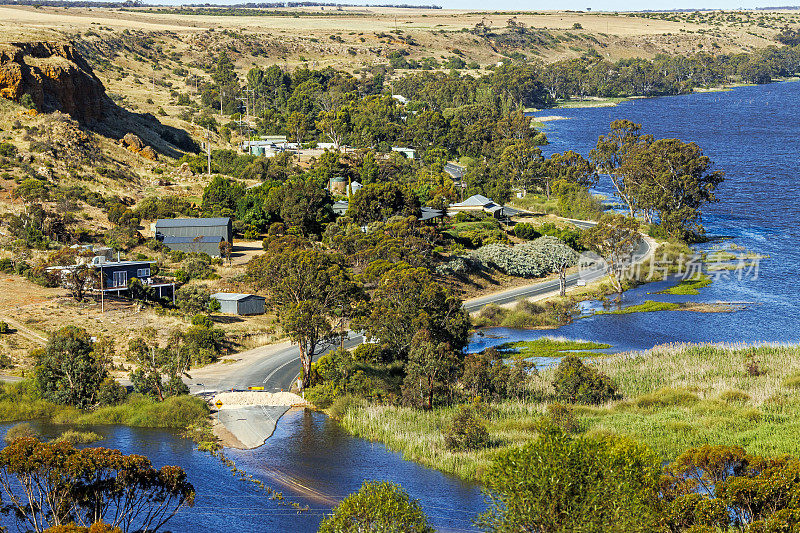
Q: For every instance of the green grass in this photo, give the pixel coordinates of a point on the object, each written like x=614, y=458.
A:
x=674, y=397
x=649, y=306
x=78, y=437
x=689, y=286
x=527, y=315
x=550, y=347
x=569, y=104
x=20, y=401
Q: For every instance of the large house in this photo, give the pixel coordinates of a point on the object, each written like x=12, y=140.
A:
x=114, y=276
x=194, y=234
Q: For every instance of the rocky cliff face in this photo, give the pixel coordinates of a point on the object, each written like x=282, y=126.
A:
x=55, y=76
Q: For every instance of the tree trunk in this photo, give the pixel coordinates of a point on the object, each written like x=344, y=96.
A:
x=305, y=362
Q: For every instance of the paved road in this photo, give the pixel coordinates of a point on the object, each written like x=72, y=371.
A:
x=274, y=370
x=538, y=289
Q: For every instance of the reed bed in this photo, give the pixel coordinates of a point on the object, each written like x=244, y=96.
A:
x=674, y=397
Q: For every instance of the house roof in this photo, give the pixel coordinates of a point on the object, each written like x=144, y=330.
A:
x=429, y=213
x=477, y=200
x=191, y=222
x=234, y=296
x=169, y=239
x=109, y=264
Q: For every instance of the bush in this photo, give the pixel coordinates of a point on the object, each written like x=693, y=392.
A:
x=563, y=417
x=20, y=431
x=377, y=506
x=577, y=383
x=666, y=397
x=466, y=431
x=561, y=483
x=4, y=327
x=7, y=149
x=111, y=392
x=193, y=299
x=78, y=437
x=340, y=406
x=203, y=321
x=196, y=266
x=526, y=231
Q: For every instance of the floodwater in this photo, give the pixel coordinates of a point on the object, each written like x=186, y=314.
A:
x=753, y=134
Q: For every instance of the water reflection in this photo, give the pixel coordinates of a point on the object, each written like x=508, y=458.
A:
x=309, y=458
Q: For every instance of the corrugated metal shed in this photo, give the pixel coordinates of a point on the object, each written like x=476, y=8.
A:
x=195, y=227
x=240, y=304
x=200, y=245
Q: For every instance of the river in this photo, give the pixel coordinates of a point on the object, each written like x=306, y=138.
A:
x=753, y=134
x=309, y=458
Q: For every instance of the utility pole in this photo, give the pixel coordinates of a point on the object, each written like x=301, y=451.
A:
x=208, y=150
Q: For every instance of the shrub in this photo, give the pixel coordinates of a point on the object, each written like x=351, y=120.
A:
x=20, y=431
x=466, y=431
x=666, y=397
x=526, y=231
x=562, y=483
x=737, y=396
x=7, y=149
x=322, y=396
x=111, y=392
x=202, y=320
x=340, y=406
x=192, y=299
x=563, y=417
x=753, y=367
x=4, y=327
x=377, y=506
x=577, y=383
x=793, y=382
x=78, y=437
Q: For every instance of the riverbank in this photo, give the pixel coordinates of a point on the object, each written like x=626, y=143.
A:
x=599, y=101
x=20, y=402
x=673, y=397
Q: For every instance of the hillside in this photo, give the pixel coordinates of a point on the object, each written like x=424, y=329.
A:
x=147, y=55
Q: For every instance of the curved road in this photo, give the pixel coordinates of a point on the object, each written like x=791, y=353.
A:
x=273, y=369
x=643, y=251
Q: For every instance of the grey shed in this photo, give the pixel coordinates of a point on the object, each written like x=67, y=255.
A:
x=195, y=227
x=232, y=303
x=200, y=245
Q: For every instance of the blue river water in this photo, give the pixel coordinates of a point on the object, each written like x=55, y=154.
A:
x=309, y=458
x=753, y=134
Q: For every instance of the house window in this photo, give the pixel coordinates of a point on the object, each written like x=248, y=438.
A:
x=143, y=273
x=120, y=279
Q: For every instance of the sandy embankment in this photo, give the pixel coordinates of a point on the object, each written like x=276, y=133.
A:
x=245, y=420
x=235, y=400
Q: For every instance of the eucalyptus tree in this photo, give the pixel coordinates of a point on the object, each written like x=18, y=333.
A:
x=614, y=238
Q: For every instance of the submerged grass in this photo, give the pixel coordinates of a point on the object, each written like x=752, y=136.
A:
x=689, y=286
x=674, y=397
x=553, y=347
x=649, y=306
